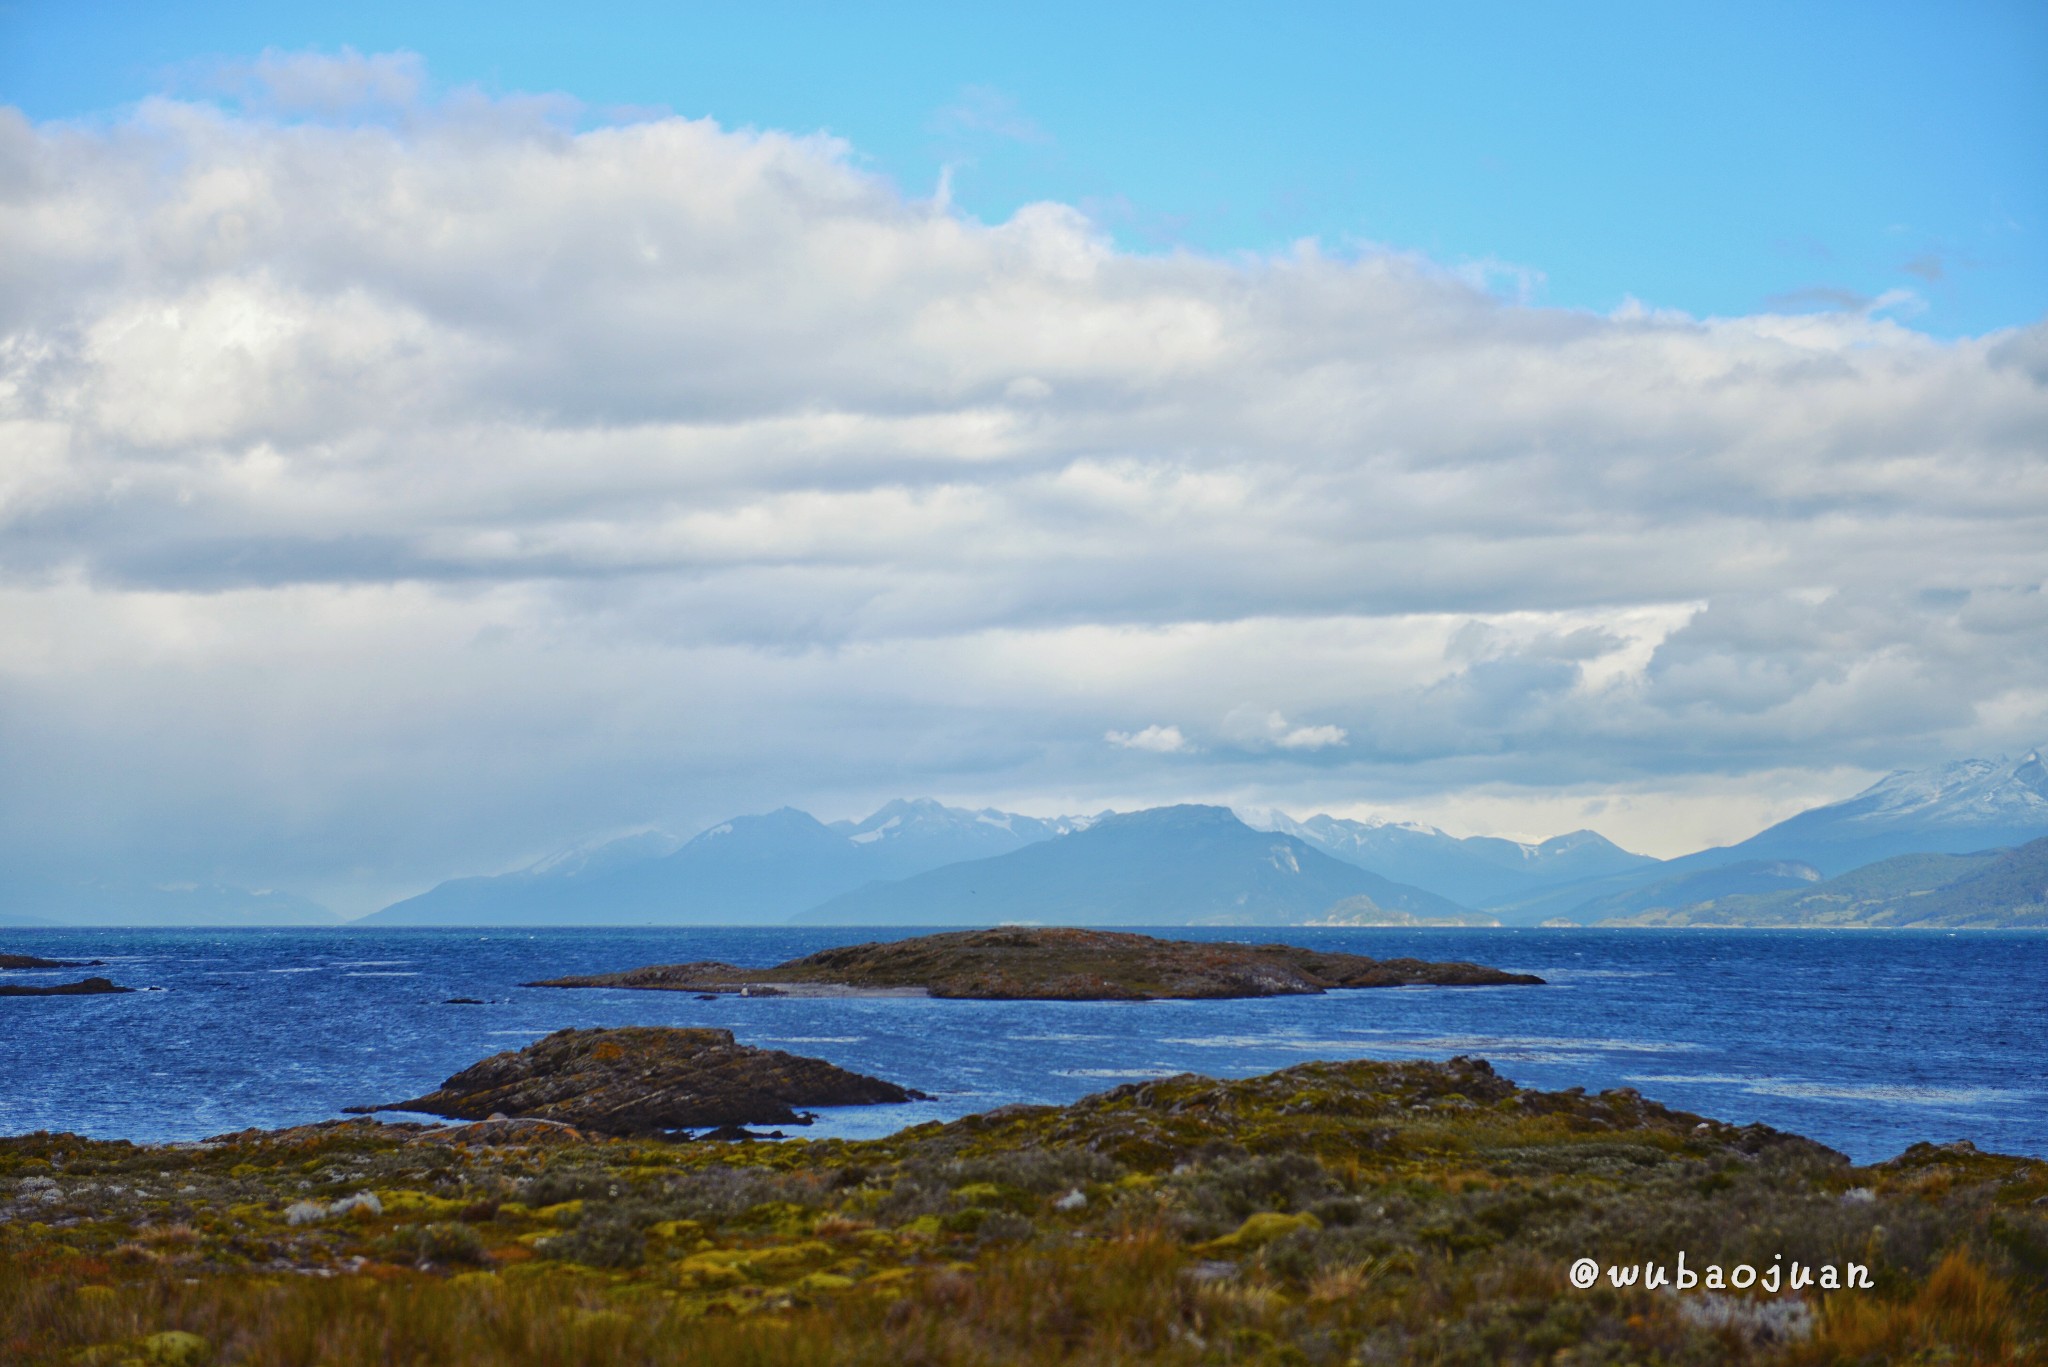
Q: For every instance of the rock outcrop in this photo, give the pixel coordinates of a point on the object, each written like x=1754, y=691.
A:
x=31, y=961
x=90, y=987
x=648, y=1080
x=1038, y=964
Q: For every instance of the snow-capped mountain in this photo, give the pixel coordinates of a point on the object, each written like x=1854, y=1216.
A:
x=1970, y=791
x=1957, y=808
x=1475, y=870
x=601, y=856
x=1972, y=804
x=926, y=824
x=1188, y=865
x=750, y=869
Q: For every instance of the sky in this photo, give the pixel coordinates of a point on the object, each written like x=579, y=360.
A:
x=431, y=436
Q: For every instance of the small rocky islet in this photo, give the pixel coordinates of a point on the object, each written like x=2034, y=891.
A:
x=648, y=1081
x=85, y=987
x=1057, y=964
x=8, y=961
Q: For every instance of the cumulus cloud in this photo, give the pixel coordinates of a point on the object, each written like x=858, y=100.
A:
x=1161, y=740
x=396, y=493
x=1258, y=729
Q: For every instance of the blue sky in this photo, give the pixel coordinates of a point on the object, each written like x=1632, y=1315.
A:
x=432, y=435
x=1719, y=159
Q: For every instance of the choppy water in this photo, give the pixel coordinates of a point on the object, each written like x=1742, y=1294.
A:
x=1866, y=1042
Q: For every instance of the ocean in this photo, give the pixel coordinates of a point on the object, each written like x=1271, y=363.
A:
x=1866, y=1042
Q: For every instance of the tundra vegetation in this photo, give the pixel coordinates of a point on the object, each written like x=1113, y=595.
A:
x=1329, y=1213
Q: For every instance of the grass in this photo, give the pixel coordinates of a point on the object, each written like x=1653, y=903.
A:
x=1330, y=1213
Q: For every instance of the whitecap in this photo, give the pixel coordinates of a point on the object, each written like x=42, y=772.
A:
x=1900, y=1092
x=1118, y=1072
x=812, y=1039
x=1791, y=1088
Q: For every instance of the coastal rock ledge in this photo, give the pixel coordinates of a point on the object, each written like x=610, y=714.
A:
x=648, y=1080
x=1053, y=964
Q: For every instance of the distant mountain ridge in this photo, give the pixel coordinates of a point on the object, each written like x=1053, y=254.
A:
x=750, y=869
x=1972, y=804
x=775, y=867
x=1988, y=890
x=1960, y=808
x=1478, y=871
x=1185, y=865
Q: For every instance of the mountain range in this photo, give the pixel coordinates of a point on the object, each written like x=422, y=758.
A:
x=1992, y=889
x=748, y=869
x=1188, y=865
x=1920, y=835
x=1478, y=871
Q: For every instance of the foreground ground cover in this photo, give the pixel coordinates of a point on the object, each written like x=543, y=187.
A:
x=1332, y=1212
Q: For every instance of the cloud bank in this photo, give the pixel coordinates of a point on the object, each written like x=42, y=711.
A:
x=394, y=485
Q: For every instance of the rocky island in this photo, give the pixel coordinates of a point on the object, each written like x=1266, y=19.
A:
x=648, y=1080
x=1051, y=964
x=31, y=961
x=88, y=987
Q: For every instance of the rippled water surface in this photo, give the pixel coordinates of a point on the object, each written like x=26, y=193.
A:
x=1866, y=1042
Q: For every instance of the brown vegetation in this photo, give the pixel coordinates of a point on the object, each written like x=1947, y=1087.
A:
x=1330, y=1213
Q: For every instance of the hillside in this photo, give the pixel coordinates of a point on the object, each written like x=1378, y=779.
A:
x=1188, y=865
x=1994, y=889
x=1972, y=804
x=1751, y=878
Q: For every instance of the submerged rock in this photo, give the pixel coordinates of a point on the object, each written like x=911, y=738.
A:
x=1054, y=964
x=648, y=1080
x=89, y=987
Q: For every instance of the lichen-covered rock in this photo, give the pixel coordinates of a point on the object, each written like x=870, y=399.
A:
x=648, y=1080
x=1062, y=964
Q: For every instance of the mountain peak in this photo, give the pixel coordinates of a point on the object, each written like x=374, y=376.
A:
x=1963, y=792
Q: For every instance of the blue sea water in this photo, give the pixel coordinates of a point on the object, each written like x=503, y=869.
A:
x=1867, y=1042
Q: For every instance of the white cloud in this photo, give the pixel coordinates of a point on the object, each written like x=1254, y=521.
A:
x=1161, y=740
x=1258, y=729
x=1311, y=737
x=392, y=491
